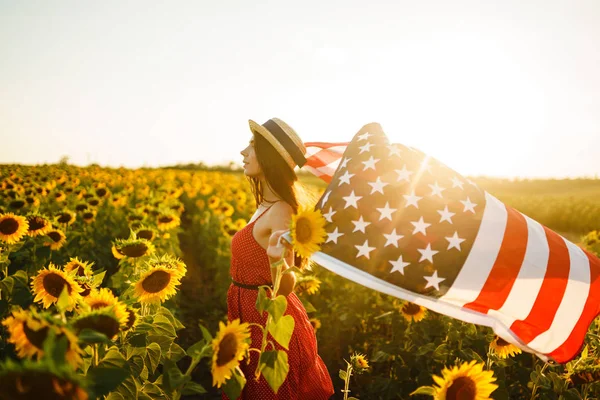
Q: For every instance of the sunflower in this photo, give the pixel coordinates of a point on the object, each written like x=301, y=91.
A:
x=32, y=201
x=28, y=331
x=17, y=204
x=225, y=209
x=83, y=268
x=133, y=319
x=103, y=320
x=60, y=196
x=65, y=217
x=307, y=231
x=89, y=216
x=145, y=232
x=308, y=284
x=169, y=262
x=93, y=201
x=156, y=285
x=206, y=189
x=35, y=380
x=229, y=347
x=316, y=324
x=49, y=283
x=12, y=228
x=105, y=298
x=503, y=349
x=56, y=237
x=240, y=223
x=133, y=248
x=81, y=207
x=38, y=225
x=359, y=363
x=201, y=204
x=213, y=202
x=166, y=221
x=412, y=312
x=468, y=382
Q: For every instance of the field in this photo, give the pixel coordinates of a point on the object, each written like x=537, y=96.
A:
x=113, y=285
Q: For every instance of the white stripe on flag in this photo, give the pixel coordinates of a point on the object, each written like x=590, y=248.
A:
x=312, y=150
x=530, y=278
x=483, y=254
x=571, y=305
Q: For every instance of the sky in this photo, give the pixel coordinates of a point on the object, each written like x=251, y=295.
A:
x=489, y=88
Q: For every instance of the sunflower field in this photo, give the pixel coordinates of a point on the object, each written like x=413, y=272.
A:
x=113, y=286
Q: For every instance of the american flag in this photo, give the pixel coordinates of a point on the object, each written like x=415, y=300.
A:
x=403, y=223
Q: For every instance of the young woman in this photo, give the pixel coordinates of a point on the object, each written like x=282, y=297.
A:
x=269, y=160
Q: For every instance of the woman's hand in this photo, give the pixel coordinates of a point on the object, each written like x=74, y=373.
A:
x=278, y=248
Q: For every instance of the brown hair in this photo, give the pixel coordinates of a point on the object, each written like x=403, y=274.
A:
x=280, y=178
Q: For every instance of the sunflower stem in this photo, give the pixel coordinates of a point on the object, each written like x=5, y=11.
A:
x=535, y=386
x=95, y=354
x=347, y=381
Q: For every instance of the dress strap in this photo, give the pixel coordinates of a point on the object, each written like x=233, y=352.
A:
x=263, y=213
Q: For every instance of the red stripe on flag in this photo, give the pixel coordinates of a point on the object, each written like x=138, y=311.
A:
x=324, y=145
x=502, y=277
x=573, y=345
x=551, y=292
x=322, y=158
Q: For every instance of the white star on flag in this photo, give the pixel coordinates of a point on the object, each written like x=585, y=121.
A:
x=398, y=265
x=345, y=178
x=468, y=205
x=436, y=190
x=377, y=186
x=457, y=183
x=394, y=151
x=427, y=253
x=364, y=136
x=325, y=198
x=411, y=199
x=345, y=162
x=434, y=280
x=351, y=200
x=392, y=238
x=386, y=212
x=455, y=241
x=329, y=214
x=366, y=147
x=364, y=249
x=403, y=174
x=420, y=226
x=360, y=225
x=333, y=236
x=370, y=163
x=446, y=215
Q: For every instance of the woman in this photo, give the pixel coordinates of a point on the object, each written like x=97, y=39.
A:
x=269, y=161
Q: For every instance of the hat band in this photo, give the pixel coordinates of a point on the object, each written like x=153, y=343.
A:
x=285, y=141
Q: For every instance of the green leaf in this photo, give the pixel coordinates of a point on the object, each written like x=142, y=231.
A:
x=275, y=367
x=106, y=379
x=308, y=306
x=163, y=341
x=144, y=374
x=205, y=333
x=277, y=307
x=129, y=388
x=425, y=349
x=90, y=336
x=153, y=390
x=470, y=354
x=98, y=278
x=115, y=396
x=153, y=355
x=426, y=390
x=143, y=327
x=262, y=300
x=172, y=376
x=175, y=352
x=113, y=359
x=135, y=351
x=584, y=353
x=199, y=350
x=136, y=363
x=174, y=321
x=192, y=388
x=163, y=327
x=343, y=375
x=234, y=385
x=63, y=300
x=282, y=330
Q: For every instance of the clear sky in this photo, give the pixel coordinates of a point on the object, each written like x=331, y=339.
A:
x=496, y=88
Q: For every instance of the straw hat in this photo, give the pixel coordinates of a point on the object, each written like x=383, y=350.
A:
x=285, y=140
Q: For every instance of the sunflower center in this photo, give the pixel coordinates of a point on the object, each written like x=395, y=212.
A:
x=156, y=281
x=130, y=320
x=227, y=349
x=88, y=215
x=17, y=204
x=145, y=234
x=86, y=290
x=501, y=342
x=36, y=223
x=36, y=338
x=99, y=304
x=462, y=388
x=411, y=309
x=303, y=230
x=9, y=226
x=134, y=250
x=101, y=323
x=54, y=283
x=101, y=192
x=165, y=219
x=64, y=218
x=55, y=236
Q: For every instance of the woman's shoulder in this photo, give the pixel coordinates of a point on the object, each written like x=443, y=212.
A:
x=280, y=213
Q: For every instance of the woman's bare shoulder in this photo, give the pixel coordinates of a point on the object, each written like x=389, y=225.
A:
x=280, y=215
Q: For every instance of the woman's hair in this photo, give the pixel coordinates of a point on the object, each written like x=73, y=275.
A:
x=281, y=179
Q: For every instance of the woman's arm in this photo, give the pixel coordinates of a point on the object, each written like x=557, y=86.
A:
x=279, y=223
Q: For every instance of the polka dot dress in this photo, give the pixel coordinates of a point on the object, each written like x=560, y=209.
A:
x=308, y=378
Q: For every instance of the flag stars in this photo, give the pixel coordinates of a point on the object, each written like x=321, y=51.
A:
x=398, y=265
x=386, y=212
x=392, y=238
x=345, y=162
x=411, y=199
x=345, y=178
x=455, y=241
x=351, y=200
x=377, y=186
x=420, y=226
x=366, y=147
x=364, y=249
x=360, y=225
x=434, y=280
x=364, y=136
x=436, y=190
x=394, y=151
x=333, y=236
x=457, y=183
x=325, y=198
x=329, y=214
x=427, y=253
x=469, y=206
x=370, y=163
x=403, y=174
x=446, y=215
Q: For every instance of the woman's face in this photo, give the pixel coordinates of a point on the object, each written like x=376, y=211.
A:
x=251, y=167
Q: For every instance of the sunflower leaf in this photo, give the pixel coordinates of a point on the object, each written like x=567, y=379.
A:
x=172, y=376
x=192, y=388
x=275, y=367
x=234, y=385
x=153, y=355
x=426, y=390
x=162, y=326
x=63, y=300
x=277, y=307
x=262, y=301
x=89, y=336
x=205, y=333
x=282, y=330
x=174, y=321
x=98, y=278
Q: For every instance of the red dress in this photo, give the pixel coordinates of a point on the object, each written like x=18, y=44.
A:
x=308, y=378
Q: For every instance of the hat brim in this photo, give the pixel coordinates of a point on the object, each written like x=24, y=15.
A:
x=264, y=132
